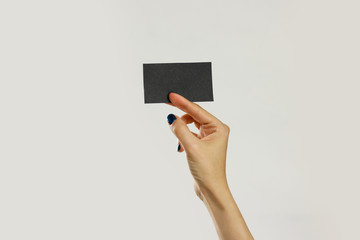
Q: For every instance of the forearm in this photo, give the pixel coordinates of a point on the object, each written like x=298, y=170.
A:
x=229, y=223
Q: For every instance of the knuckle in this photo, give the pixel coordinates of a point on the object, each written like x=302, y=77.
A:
x=197, y=105
x=225, y=128
x=176, y=126
x=197, y=110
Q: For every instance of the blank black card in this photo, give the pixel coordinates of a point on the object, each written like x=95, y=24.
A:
x=191, y=80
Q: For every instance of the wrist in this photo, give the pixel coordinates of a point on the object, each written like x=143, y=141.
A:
x=217, y=194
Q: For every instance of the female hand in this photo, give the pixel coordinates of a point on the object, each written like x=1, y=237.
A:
x=206, y=150
x=206, y=155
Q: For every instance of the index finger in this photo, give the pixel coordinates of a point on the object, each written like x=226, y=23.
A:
x=193, y=109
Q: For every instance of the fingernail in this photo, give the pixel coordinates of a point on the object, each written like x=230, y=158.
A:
x=171, y=118
x=178, y=147
x=168, y=96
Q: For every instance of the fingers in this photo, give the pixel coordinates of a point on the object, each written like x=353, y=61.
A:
x=189, y=119
x=181, y=131
x=197, y=112
x=180, y=148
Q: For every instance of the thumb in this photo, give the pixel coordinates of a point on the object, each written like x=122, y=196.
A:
x=181, y=130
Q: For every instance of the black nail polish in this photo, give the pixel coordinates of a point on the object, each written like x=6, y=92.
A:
x=171, y=118
x=178, y=149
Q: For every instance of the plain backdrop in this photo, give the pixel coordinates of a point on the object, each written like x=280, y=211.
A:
x=82, y=156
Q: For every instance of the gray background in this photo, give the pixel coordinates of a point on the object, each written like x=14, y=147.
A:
x=82, y=157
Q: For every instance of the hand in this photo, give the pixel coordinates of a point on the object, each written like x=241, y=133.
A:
x=206, y=155
x=206, y=150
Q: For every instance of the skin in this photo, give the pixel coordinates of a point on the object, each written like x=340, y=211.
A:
x=206, y=156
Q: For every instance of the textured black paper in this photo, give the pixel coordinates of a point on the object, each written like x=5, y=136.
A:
x=191, y=80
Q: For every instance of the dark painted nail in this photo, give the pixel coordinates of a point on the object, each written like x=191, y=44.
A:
x=178, y=148
x=171, y=118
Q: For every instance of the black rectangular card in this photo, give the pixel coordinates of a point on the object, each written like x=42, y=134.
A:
x=191, y=80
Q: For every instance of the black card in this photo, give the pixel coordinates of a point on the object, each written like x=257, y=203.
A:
x=191, y=80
